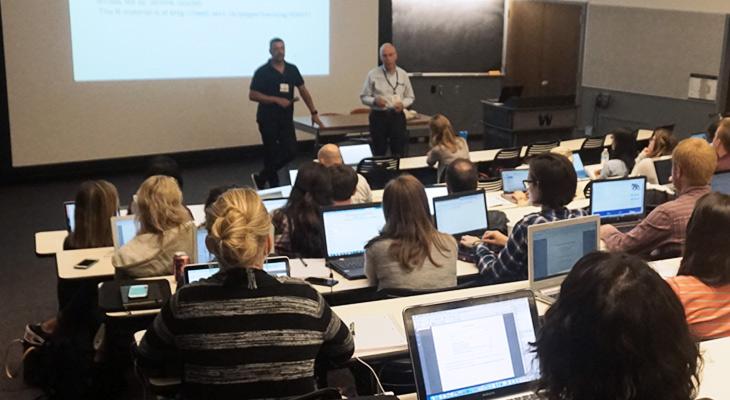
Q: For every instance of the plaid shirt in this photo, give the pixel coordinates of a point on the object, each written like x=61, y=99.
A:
x=511, y=263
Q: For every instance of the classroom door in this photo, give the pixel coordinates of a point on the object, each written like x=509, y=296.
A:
x=543, y=50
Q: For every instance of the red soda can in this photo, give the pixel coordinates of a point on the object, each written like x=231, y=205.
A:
x=179, y=260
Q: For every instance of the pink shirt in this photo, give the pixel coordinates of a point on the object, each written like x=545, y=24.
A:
x=723, y=163
x=707, y=308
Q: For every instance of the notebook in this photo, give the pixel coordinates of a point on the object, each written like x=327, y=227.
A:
x=195, y=272
x=124, y=229
x=70, y=208
x=619, y=201
x=352, y=155
x=721, y=182
x=475, y=348
x=462, y=213
x=433, y=192
x=553, y=248
x=347, y=229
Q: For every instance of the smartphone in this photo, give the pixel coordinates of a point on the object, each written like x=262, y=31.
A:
x=86, y=263
x=138, y=291
x=322, y=281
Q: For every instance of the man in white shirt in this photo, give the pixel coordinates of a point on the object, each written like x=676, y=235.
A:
x=388, y=91
x=329, y=155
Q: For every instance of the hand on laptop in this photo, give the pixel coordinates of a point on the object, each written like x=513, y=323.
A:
x=470, y=241
x=520, y=198
x=495, y=238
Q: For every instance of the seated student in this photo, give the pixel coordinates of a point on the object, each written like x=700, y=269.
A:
x=298, y=225
x=328, y=156
x=661, y=144
x=663, y=230
x=616, y=332
x=445, y=145
x=550, y=184
x=243, y=333
x=344, y=184
x=721, y=143
x=165, y=227
x=410, y=253
x=622, y=155
x=96, y=202
x=703, y=280
x=160, y=165
x=216, y=192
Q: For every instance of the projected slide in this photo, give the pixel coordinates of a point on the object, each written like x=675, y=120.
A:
x=180, y=39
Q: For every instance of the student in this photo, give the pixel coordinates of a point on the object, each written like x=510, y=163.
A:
x=703, y=280
x=551, y=185
x=328, y=156
x=663, y=230
x=96, y=202
x=298, y=225
x=410, y=253
x=160, y=165
x=165, y=227
x=445, y=145
x=622, y=155
x=216, y=192
x=243, y=333
x=461, y=176
x=721, y=143
x=661, y=144
x=344, y=184
x=616, y=332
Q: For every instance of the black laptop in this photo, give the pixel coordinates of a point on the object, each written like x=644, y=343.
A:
x=619, y=202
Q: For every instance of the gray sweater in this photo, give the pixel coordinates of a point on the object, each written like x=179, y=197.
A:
x=386, y=272
x=443, y=156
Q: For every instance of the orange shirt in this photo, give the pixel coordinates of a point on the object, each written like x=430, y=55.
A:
x=707, y=308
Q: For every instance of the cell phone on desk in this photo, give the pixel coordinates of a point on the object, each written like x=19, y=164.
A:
x=138, y=292
x=322, y=281
x=86, y=263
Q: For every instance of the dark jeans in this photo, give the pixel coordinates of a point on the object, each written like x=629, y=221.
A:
x=385, y=125
x=280, y=147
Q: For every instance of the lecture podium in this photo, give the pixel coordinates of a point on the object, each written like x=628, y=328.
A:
x=522, y=121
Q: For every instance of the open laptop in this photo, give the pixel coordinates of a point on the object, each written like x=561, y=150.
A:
x=275, y=192
x=293, y=176
x=475, y=348
x=277, y=266
x=347, y=229
x=619, y=202
x=195, y=272
x=202, y=255
x=351, y=155
x=70, y=208
x=580, y=169
x=274, y=204
x=553, y=248
x=663, y=168
x=721, y=182
x=461, y=213
x=435, y=191
x=124, y=229
x=512, y=181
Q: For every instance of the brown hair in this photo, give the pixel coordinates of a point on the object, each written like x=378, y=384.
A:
x=706, y=253
x=697, y=161
x=442, y=133
x=408, y=223
x=96, y=203
x=160, y=205
x=664, y=143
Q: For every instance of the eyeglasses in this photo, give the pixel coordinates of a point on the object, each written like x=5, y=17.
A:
x=527, y=183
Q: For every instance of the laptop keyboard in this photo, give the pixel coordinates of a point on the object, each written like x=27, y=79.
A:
x=351, y=267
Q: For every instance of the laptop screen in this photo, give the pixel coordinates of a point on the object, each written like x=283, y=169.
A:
x=351, y=155
x=433, y=192
x=701, y=135
x=279, y=191
x=618, y=198
x=125, y=230
x=473, y=350
x=347, y=230
x=293, y=176
x=556, y=247
x=663, y=168
x=70, y=207
x=580, y=169
x=274, y=204
x=721, y=183
x=461, y=213
x=196, y=272
x=277, y=266
x=201, y=250
x=512, y=180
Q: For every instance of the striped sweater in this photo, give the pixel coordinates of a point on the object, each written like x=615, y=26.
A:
x=707, y=308
x=244, y=338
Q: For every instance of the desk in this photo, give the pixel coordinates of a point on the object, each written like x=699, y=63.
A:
x=49, y=242
x=348, y=123
x=65, y=261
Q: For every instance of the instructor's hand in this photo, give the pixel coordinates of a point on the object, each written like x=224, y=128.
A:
x=398, y=107
x=282, y=102
x=380, y=102
x=316, y=120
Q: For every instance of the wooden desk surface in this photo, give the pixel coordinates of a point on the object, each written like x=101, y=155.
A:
x=65, y=261
x=345, y=122
x=49, y=242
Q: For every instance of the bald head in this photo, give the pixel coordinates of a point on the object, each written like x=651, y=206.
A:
x=461, y=176
x=329, y=155
x=388, y=55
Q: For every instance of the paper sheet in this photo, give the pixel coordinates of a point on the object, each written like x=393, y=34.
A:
x=374, y=332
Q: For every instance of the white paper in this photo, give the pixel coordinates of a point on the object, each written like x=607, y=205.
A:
x=375, y=332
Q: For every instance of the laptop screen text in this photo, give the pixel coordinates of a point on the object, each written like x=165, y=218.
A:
x=461, y=214
x=512, y=180
x=618, y=198
x=556, y=250
x=347, y=231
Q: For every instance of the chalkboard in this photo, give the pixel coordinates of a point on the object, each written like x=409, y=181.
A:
x=448, y=36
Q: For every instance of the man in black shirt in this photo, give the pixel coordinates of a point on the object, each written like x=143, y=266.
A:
x=272, y=87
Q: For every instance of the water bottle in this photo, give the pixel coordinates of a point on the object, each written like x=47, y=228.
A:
x=604, y=157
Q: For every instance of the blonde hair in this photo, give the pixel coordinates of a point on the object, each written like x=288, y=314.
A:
x=697, y=161
x=723, y=133
x=238, y=226
x=664, y=143
x=442, y=133
x=160, y=205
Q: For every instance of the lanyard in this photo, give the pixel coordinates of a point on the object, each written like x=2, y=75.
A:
x=388, y=81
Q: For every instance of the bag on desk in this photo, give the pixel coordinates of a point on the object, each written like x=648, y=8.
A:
x=112, y=295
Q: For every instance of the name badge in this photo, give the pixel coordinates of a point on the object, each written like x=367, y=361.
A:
x=395, y=99
x=284, y=88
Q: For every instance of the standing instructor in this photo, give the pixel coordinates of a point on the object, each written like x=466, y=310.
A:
x=388, y=91
x=272, y=87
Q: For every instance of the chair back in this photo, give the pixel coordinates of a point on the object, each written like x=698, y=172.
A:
x=506, y=158
x=378, y=170
x=591, y=149
x=540, y=148
x=490, y=185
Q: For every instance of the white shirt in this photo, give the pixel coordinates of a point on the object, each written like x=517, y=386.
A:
x=391, y=86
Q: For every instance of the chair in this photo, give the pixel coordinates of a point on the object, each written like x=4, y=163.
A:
x=540, y=148
x=490, y=185
x=506, y=158
x=587, y=190
x=591, y=149
x=378, y=170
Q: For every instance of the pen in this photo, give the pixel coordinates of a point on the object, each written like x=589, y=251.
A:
x=303, y=262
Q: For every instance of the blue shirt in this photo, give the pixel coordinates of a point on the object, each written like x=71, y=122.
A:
x=511, y=263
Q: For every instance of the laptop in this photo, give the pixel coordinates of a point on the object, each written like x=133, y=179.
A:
x=619, y=202
x=663, y=167
x=721, y=182
x=195, y=272
x=275, y=192
x=461, y=213
x=277, y=266
x=433, y=192
x=475, y=348
x=202, y=255
x=580, y=169
x=274, y=204
x=124, y=229
x=699, y=135
x=352, y=155
x=293, y=176
x=512, y=181
x=553, y=248
x=347, y=229
x=70, y=208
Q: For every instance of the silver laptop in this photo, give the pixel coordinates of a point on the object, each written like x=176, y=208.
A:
x=124, y=229
x=580, y=169
x=475, y=348
x=619, y=202
x=352, y=155
x=553, y=248
x=202, y=255
x=274, y=204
